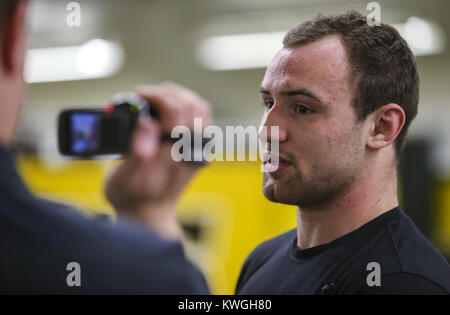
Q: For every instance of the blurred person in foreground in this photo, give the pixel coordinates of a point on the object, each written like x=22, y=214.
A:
x=39, y=238
x=343, y=94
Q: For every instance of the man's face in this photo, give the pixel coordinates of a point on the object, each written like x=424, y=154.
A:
x=306, y=91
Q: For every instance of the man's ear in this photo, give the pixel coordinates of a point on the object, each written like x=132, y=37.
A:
x=13, y=39
x=386, y=123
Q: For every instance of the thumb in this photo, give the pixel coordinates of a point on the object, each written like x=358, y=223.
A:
x=145, y=140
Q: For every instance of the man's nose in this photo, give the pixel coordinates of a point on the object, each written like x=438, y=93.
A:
x=273, y=126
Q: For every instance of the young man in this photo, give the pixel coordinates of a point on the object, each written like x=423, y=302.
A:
x=343, y=95
x=42, y=243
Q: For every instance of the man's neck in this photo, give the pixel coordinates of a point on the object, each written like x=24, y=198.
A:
x=367, y=198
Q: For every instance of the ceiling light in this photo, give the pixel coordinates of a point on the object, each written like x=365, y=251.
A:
x=243, y=51
x=97, y=58
x=247, y=51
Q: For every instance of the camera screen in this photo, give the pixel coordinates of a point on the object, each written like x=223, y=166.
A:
x=85, y=132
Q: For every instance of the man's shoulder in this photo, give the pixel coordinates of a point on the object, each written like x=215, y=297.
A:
x=44, y=236
x=416, y=255
x=64, y=221
x=405, y=259
x=269, y=247
x=262, y=253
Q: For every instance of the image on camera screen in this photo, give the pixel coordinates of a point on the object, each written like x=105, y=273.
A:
x=85, y=130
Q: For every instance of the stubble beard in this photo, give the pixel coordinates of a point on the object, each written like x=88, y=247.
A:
x=327, y=179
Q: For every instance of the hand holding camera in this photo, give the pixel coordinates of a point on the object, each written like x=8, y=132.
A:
x=148, y=183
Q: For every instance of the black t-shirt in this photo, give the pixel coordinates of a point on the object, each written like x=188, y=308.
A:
x=39, y=238
x=388, y=255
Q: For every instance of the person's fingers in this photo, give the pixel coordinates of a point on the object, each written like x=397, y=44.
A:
x=197, y=107
x=145, y=141
x=169, y=113
x=175, y=105
x=149, y=174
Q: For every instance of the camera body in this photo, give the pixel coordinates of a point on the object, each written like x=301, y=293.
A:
x=87, y=133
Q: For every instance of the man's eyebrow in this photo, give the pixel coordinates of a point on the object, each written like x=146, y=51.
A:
x=304, y=92
x=264, y=91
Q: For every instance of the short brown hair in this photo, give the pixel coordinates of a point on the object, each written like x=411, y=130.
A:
x=383, y=68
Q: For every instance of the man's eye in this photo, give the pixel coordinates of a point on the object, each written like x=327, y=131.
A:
x=301, y=109
x=268, y=104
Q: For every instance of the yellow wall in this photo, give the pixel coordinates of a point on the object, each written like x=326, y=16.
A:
x=441, y=219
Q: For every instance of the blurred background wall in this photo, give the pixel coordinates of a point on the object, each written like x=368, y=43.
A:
x=200, y=44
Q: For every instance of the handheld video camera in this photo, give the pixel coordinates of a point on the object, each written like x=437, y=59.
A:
x=90, y=133
x=86, y=133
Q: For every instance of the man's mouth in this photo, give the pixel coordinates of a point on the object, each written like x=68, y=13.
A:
x=276, y=164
